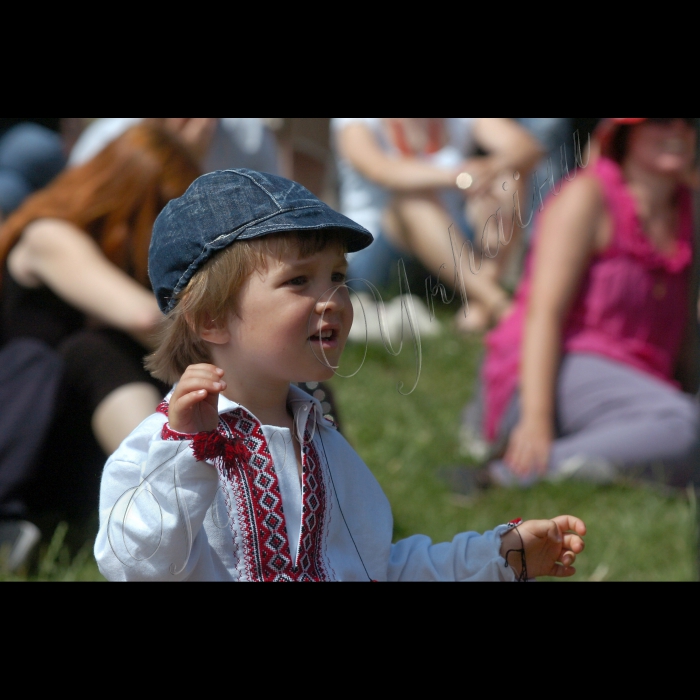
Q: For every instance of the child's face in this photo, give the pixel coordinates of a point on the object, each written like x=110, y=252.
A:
x=289, y=315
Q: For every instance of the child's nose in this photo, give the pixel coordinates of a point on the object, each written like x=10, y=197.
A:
x=333, y=299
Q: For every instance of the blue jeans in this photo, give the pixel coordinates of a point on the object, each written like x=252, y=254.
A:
x=378, y=261
x=378, y=264
x=373, y=264
x=30, y=157
x=553, y=134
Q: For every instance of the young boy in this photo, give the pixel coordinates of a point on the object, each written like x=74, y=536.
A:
x=238, y=477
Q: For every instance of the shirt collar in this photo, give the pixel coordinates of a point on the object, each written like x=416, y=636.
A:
x=297, y=397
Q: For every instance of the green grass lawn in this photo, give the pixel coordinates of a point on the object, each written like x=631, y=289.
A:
x=634, y=534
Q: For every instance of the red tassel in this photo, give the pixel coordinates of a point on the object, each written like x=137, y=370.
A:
x=222, y=451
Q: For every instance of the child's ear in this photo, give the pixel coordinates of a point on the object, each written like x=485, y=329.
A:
x=214, y=332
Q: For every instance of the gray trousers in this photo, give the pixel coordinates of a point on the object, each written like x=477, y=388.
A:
x=615, y=420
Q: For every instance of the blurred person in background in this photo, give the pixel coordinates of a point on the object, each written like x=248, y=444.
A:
x=218, y=143
x=556, y=136
x=305, y=153
x=591, y=374
x=406, y=180
x=31, y=155
x=77, y=319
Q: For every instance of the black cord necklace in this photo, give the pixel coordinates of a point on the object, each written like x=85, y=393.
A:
x=328, y=465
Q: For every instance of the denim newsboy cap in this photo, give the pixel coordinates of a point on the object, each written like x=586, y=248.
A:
x=224, y=206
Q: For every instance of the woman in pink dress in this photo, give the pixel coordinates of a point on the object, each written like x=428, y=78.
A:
x=585, y=377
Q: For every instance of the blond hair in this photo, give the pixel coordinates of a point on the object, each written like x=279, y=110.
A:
x=211, y=296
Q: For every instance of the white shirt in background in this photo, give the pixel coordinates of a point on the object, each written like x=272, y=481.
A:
x=364, y=201
x=239, y=142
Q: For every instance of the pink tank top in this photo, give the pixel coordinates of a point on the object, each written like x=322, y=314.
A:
x=631, y=306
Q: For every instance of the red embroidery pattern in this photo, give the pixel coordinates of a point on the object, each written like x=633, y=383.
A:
x=241, y=454
x=310, y=564
x=258, y=502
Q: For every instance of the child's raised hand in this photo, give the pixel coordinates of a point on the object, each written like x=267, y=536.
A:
x=194, y=403
x=550, y=546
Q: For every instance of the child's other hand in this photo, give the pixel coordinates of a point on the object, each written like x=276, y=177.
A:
x=194, y=403
x=551, y=546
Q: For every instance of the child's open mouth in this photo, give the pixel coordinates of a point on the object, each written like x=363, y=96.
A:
x=326, y=339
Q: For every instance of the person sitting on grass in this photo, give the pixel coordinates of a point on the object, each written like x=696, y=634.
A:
x=409, y=179
x=76, y=316
x=238, y=476
x=594, y=374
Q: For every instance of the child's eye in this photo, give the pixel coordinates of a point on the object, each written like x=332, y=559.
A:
x=339, y=277
x=298, y=281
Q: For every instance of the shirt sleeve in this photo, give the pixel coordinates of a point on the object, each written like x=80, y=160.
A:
x=469, y=557
x=153, y=499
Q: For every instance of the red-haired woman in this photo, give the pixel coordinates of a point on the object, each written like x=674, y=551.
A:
x=76, y=304
x=584, y=378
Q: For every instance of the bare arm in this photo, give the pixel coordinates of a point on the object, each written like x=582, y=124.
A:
x=55, y=253
x=571, y=230
x=358, y=145
x=510, y=147
x=507, y=143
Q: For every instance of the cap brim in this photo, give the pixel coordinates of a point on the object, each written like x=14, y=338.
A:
x=312, y=218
